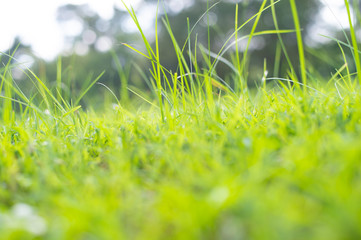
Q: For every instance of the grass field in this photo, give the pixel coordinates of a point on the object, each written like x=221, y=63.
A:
x=201, y=161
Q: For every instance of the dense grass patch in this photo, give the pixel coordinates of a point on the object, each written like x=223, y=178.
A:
x=206, y=161
x=283, y=166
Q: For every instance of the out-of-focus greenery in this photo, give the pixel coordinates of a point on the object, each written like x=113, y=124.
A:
x=279, y=165
x=221, y=20
x=199, y=158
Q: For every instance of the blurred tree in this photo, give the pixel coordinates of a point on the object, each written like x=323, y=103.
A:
x=17, y=50
x=96, y=47
x=98, y=36
x=222, y=20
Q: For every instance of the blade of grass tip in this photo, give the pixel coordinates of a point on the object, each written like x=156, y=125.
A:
x=136, y=50
x=299, y=43
x=151, y=54
x=354, y=42
x=115, y=96
x=197, y=22
x=133, y=15
x=88, y=88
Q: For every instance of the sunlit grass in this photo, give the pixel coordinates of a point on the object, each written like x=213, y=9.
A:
x=201, y=160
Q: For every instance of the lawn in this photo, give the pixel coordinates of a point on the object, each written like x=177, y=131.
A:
x=199, y=161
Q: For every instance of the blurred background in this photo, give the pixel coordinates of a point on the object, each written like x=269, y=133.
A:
x=88, y=35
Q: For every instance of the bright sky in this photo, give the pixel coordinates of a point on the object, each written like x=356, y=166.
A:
x=34, y=21
x=332, y=16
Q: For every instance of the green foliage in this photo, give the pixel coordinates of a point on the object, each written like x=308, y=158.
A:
x=280, y=165
x=200, y=160
x=299, y=42
x=354, y=42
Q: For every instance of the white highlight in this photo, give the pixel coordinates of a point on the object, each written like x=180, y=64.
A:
x=23, y=216
x=35, y=22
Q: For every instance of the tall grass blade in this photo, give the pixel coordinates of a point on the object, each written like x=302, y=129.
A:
x=275, y=21
x=354, y=42
x=245, y=54
x=124, y=96
x=58, y=77
x=301, y=51
x=88, y=88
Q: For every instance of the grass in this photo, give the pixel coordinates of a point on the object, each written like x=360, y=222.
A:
x=299, y=43
x=204, y=162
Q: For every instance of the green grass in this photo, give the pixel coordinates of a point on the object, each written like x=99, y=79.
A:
x=299, y=43
x=199, y=161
